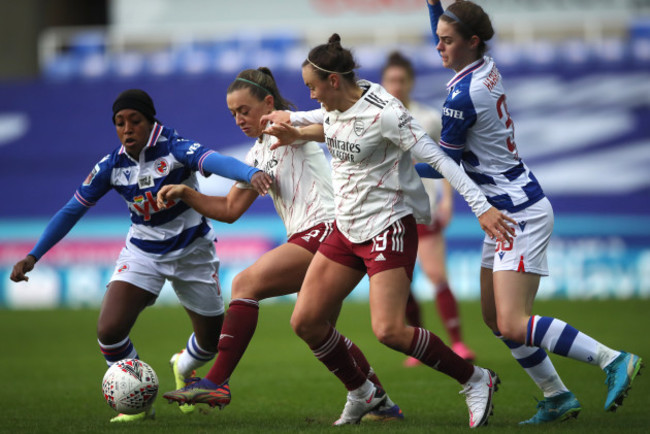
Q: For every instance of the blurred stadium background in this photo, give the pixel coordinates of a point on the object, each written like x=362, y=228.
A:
x=577, y=73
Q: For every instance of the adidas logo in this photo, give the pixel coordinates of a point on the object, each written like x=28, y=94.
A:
x=380, y=257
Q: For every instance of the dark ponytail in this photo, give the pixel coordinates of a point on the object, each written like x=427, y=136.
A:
x=260, y=82
x=332, y=58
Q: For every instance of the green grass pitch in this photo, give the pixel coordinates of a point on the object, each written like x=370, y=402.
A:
x=51, y=372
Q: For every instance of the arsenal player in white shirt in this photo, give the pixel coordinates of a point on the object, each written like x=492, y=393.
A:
x=303, y=197
x=379, y=198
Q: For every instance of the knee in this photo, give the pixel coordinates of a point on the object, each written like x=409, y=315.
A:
x=392, y=336
x=238, y=284
x=513, y=330
x=111, y=331
x=301, y=327
x=244, y=285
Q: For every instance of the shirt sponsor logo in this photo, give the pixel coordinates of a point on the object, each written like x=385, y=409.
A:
x=341, y=149
x=456, y=114
x=147, y=205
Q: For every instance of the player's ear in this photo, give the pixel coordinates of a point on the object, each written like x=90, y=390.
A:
x=474, y=42
x=334, y=80
x=269, y=101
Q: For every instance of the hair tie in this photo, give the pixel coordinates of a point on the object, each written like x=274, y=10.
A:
x=327, y=70
x=254, y=84
x=462, y=24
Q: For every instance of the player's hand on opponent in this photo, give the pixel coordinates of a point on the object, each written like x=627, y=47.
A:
x=284, y=132
x=261, y=182
x=22, y=268
x=276, y=117
x=496, y=225
x=169, y=193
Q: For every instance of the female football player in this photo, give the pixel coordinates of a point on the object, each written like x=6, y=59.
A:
x=175, y=243
x=477, y=131
x=398, y=78
x=303, y=198
x=379, y=198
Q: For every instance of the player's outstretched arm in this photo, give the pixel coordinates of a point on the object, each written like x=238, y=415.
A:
x=492, y=221
x=230, y=167
x=226, y=209
x=297, y=119
x=56, y=229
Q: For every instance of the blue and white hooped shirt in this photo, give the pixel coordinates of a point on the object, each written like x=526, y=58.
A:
x=476, y=123
x=166, y=159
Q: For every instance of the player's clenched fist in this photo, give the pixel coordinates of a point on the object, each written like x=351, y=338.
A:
x=22, y=268
x=170, y=193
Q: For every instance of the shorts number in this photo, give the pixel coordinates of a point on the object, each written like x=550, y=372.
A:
x=504, y=246
x=379, y=242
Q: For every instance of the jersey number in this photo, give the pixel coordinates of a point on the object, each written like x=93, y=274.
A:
x=502, y=111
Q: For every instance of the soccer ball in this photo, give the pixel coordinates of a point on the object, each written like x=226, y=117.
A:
x=130, y=386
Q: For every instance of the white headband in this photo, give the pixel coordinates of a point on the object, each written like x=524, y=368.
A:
x=327, y=70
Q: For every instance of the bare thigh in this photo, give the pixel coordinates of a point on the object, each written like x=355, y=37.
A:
x=431, y=251
x=278, y=272
x=389, y=292
x=326, y=285
x=514, y=295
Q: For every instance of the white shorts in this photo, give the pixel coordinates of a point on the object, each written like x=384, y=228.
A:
x=194, y=277
x=527, y=251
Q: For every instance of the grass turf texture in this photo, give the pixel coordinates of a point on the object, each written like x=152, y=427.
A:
x=51, y=372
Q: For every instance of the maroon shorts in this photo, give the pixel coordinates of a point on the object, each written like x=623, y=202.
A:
x=427, y=230
x=311, y=239
x=395, y=247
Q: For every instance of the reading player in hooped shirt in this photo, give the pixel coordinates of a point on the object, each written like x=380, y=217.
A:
x=175, y=243
x=478, y=132
x=303, y=198
x=378, y=200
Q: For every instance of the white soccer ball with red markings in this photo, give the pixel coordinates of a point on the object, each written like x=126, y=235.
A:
x=130, y=386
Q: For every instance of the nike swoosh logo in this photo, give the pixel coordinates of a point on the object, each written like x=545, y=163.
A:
x=225, y=336
x=370, y=399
